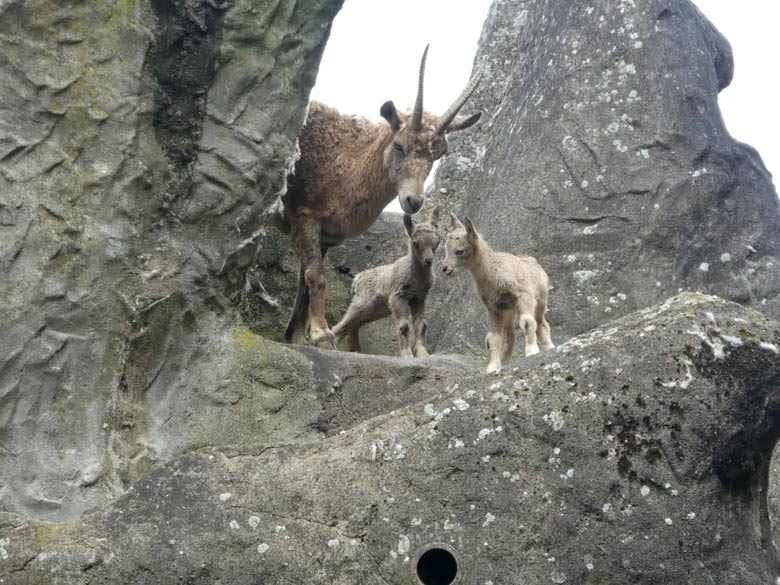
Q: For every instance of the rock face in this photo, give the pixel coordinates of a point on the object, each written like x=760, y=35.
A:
x=586, y=464
x=151, y=430
x=138, y=143
x=603, y=154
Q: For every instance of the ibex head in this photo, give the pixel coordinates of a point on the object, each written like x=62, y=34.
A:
x=461, y=246
x=419, y=139
x=423, y=237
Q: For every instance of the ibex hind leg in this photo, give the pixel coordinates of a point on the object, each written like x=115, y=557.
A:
x=543, y=329
x=296, y=328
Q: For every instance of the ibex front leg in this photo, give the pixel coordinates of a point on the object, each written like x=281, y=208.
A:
x=306, y=243
x=420, y=327
x=494, y=340
x=398, y=309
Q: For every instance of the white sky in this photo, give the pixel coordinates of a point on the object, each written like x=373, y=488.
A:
x=375, y=47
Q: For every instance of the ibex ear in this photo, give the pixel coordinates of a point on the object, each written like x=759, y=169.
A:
x=389, y=113
x=408, y=224
x=455, y=221
x=462, y=122
x=471, y=231
x=435, y=217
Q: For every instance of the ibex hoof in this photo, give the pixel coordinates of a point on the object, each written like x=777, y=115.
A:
x=323, y=338
x=422, y=352
x=492, y=369
x=406, y=353
x=296, y=337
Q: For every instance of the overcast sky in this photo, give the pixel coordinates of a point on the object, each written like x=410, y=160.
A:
x=375, y=47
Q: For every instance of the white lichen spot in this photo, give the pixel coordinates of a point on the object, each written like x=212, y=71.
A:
x=725, y=257
x=571, y=258
x=429, y=410
x=645, y=491
x=637, y=44
x=704, y=266
x=403, y=544
x=589, y=230
x=234, y=525
x=683, y=384
x=582, y=276
x=263, y=548
x=606, y=507
x=584, y=184
x=769, y=346
x=4, y=542
x=460, y=404
x=489, y=519
x=334, y=543
x=225, y=497
x=668, y=521
x=253, y=522
x=416, y=522
x=731, y=340
x=691, y=515
x=555, y=420
x=557, y=577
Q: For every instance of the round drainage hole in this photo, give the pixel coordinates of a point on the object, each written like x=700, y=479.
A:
x=437, y=566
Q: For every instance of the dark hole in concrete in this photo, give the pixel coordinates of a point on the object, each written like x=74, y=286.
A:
x=437, y=566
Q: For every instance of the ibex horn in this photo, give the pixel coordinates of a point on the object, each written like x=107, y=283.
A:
x=418, y=104
x=446, y=119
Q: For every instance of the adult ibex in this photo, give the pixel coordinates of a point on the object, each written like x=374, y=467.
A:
x=348, y=171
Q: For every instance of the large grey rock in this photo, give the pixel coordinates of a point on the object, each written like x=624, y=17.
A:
x=602, y=152
x=138, y=141
x=637, y=453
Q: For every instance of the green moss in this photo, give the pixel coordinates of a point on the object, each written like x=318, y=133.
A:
x=652, y=455
x=569, y=378
x=47, y=533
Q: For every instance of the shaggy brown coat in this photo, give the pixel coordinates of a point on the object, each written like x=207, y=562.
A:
x=348, y=171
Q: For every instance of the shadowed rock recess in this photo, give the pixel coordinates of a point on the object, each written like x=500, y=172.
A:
x=152, y=431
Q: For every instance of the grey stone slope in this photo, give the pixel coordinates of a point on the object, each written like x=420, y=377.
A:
x=636, y=453
x=603, y=153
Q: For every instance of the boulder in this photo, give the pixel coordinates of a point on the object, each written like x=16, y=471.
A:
x=602, y=152
x=638, y=452
x=138, y=143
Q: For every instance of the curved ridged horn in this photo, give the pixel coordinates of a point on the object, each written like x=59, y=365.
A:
x=446, y=119
x=418, y=104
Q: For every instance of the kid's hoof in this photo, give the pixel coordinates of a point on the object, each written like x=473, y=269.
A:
x=422, y=352
x=407, y=353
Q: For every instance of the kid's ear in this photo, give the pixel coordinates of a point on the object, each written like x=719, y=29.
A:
x=455, y=221
x=471, y=231
x=435, y=217
x=408, y=224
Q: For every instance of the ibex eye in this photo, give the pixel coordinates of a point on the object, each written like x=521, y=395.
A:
x=398, y=148
x=459, y=252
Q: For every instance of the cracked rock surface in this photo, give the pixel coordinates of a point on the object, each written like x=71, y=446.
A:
x=602, y=152
x=153, y=431
x=638, y=452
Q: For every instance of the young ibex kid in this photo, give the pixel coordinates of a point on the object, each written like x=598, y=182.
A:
x=390, y=289
x=508, y=285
